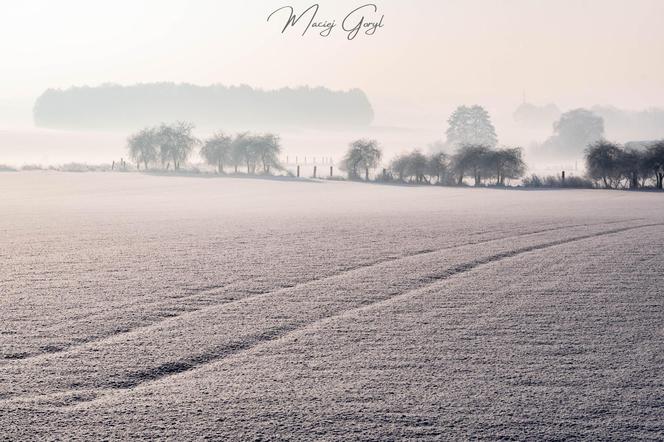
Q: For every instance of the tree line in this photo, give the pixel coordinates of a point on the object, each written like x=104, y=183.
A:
x=482, y=163
x=172, y=144
x=614, y=166
x=608, y=164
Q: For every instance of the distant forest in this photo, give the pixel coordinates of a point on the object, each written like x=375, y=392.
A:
x=112, y=106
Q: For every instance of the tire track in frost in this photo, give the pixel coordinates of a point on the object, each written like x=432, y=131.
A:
x=218, y=353
x=173, y=312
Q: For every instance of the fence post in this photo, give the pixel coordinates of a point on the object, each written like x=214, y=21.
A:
x=298, y=171
x=314, y=171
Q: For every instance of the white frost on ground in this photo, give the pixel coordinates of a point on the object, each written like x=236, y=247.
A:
x=135, y=306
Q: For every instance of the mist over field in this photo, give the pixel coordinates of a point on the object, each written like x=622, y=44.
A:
x=426, y=220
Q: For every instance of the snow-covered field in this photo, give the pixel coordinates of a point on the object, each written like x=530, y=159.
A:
x=136, y=306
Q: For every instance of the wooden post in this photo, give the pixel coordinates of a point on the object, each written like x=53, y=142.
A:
x=314, y=171
x=298, y=171
x=331, y=170
x=635, y=181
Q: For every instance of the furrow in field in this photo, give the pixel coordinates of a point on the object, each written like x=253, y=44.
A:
x=203, y=337
x=233, y=292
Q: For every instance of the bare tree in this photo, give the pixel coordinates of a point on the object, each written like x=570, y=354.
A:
x=216, y=150
x=399, y=166
x=176, y=142
x=416, y=167
x=470, y=159
x=438, y=167
x=632, y=166
x=602, y=162
x=242, y=153
x=505, y=163
x=654, y=159
x=361, y=155
x=143, y=147
x=267, y=148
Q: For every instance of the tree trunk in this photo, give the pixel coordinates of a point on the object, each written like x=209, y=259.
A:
x=660, y=177
x=366, y=174
x=146, y=165
x=236, y=168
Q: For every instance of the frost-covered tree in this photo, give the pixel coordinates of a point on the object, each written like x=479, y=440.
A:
x=143, y=147
x=470, y=160
x=399, y=167
x=361, y=155
x=176, y=142
x=417, y=166
x=245, y=151
x=602, y=162
x=240, y=150
x=267, y=148
x=654, y=160
x=471, y=125
x=216, y=150
x=505, y=163
x=437, y=167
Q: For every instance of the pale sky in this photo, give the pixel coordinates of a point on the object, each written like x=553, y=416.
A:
x=430, y=53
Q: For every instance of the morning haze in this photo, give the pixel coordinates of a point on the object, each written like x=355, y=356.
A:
x=433, y=220
x=429, y=57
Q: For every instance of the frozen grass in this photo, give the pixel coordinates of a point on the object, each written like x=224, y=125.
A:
x=165, y=307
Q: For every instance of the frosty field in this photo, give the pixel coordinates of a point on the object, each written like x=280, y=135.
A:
x=152, y=307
